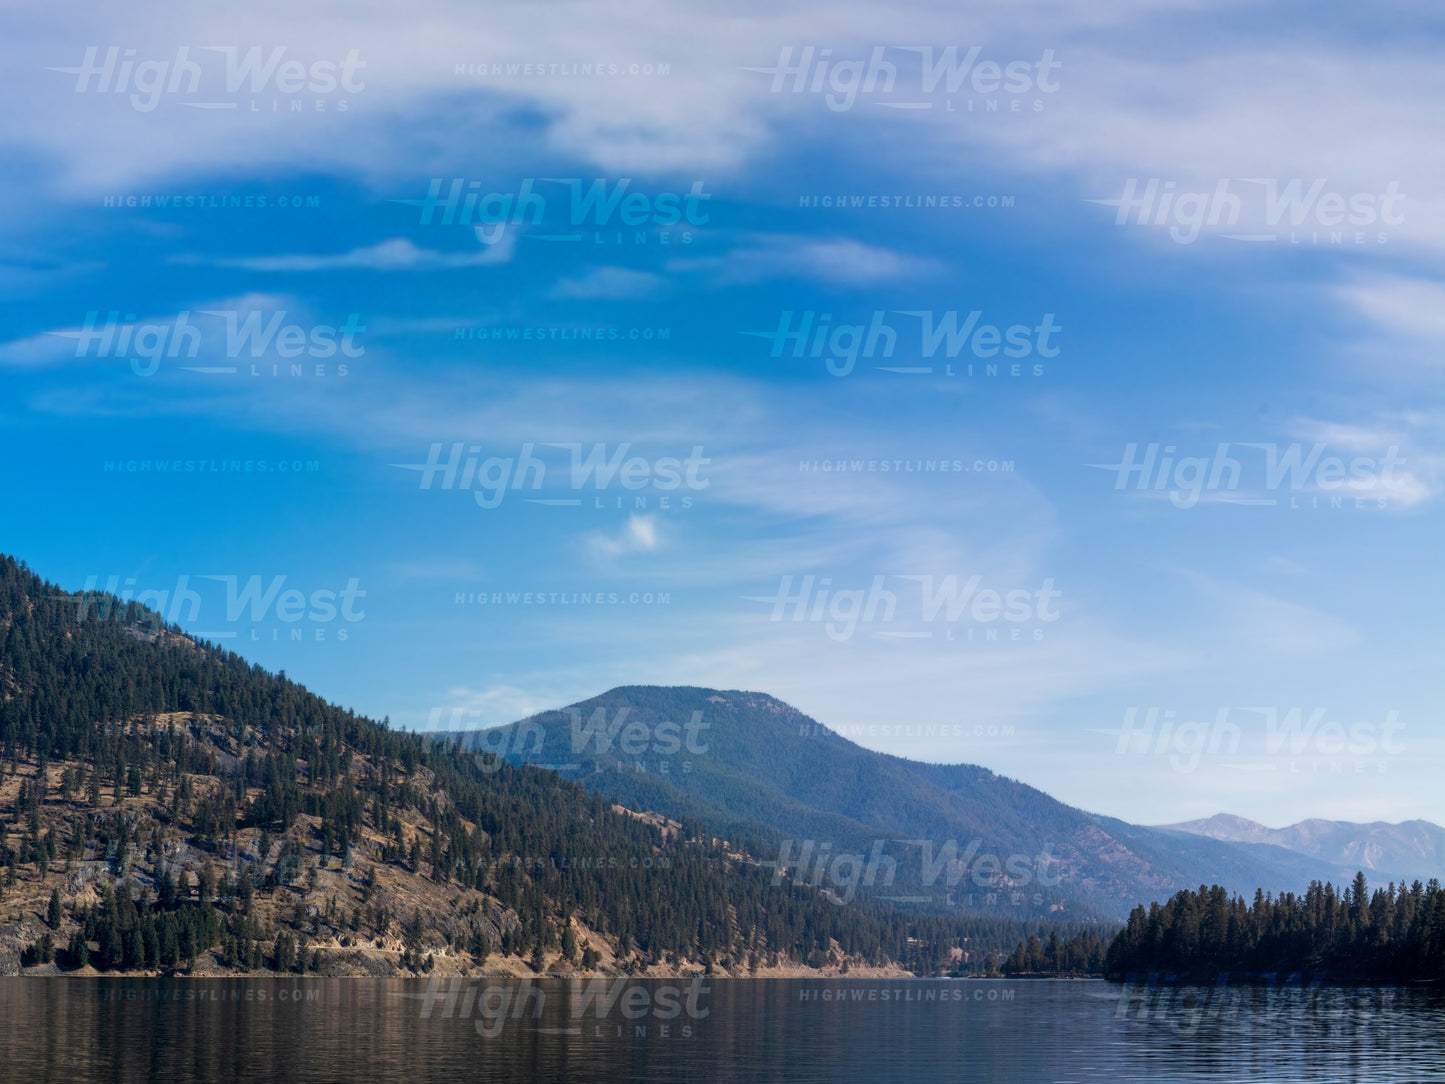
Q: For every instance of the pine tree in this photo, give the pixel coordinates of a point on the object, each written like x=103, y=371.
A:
x=77, y=952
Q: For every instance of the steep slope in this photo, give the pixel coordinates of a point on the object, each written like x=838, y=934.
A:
x=751, y=768
x=175, y=808
x=1408, y=851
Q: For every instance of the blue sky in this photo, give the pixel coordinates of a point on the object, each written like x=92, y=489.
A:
x=1202, y=242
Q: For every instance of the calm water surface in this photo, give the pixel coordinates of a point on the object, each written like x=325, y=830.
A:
x=318, y=1030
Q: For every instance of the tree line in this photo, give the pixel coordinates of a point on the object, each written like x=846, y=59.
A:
x=1395, y=933
x=165, y=739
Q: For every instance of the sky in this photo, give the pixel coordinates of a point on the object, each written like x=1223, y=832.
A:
x=1054, y=387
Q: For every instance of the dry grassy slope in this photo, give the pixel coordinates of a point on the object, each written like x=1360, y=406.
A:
x=318, y=911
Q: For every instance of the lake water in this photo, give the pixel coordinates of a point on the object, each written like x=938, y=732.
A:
x=200, y=1031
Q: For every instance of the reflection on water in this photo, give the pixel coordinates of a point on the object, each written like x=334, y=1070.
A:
x=313, y=1030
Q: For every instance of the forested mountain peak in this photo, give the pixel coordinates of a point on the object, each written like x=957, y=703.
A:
x=166, y=805
x=964, y=838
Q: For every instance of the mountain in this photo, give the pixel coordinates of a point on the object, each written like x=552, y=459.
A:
x=1408, y=851
x=166, y=806
x=754, y=770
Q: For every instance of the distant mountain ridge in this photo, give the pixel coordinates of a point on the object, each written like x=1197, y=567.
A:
x=1410, y=850
x=749, y=767
x=179, y=810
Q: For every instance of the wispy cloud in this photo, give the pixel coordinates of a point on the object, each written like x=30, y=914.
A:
x=838, y=261
x=1400, y=309
x=610, y=283
x=638, y=535
x=1258, y=625
x=397, y=254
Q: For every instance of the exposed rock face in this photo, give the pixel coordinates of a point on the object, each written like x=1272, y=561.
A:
x=358, y=963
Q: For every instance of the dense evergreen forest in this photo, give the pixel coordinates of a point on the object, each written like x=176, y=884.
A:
x=1394, y=933
x=124, y=744
x=1080, y=954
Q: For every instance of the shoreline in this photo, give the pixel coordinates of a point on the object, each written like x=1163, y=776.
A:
x=51, y=971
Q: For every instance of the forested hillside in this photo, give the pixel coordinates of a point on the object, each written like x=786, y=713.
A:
x=749, y=767
x=167, y=805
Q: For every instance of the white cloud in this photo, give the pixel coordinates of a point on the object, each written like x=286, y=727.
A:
x=1411, y=441
x=839, y=261
x=397, y=254
x=637, y=535
x=47, y=348
x=1401, y=306
x=1399, y=324
x=1307, y=106
x=610, y=283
